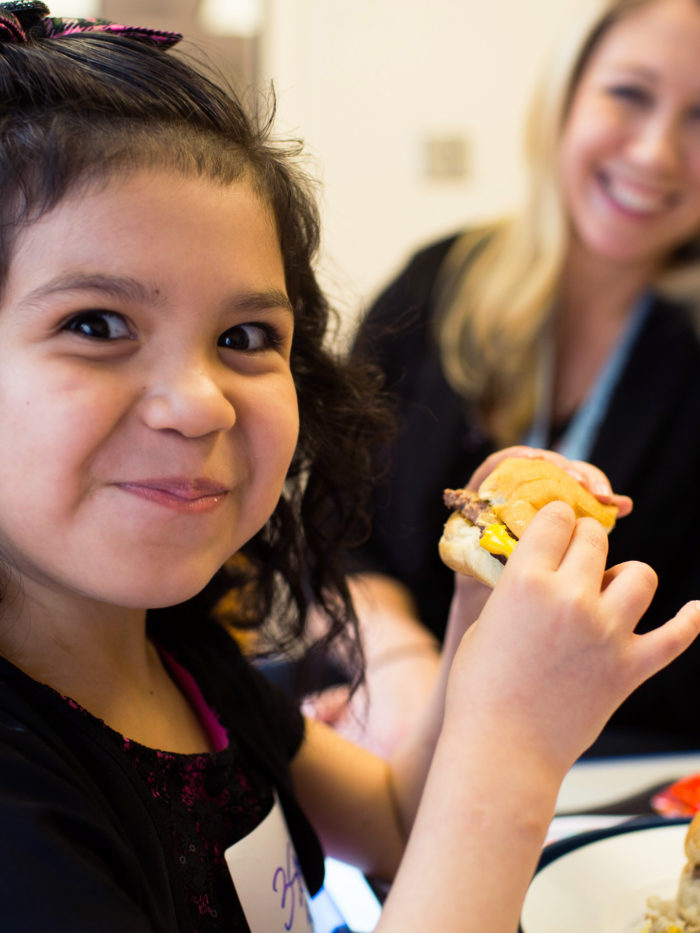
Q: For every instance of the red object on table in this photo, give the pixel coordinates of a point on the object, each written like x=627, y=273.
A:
x=681, y=798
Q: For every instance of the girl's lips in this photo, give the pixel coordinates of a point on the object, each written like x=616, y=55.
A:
x=181, y=495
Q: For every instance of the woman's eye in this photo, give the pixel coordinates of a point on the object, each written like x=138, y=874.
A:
x=99, y=325
x=630, y=93
x=248, y=337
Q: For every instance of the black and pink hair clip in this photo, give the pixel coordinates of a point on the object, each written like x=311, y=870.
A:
x=21, y=22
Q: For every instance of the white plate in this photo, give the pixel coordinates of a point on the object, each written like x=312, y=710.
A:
x=603, y=886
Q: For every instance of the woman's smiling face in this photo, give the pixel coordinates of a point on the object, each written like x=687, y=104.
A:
x=630, y=148
x=147, y=409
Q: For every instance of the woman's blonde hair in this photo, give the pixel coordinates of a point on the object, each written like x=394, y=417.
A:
x=499, y=282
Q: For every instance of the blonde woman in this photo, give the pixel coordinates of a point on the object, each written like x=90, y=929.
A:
x=560, y=327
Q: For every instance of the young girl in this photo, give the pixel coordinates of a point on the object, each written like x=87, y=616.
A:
x=165, y=403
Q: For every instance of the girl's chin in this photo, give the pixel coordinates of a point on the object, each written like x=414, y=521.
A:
x=154, y=594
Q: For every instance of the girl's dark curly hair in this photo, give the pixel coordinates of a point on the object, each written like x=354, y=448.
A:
x=76, y=109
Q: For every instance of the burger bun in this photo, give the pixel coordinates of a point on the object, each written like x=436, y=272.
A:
x=460, y=549
x=515, y=491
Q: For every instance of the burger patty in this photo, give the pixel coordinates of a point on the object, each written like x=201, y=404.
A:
x=468, y=504
x=474, y=509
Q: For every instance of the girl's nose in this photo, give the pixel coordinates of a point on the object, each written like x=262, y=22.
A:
x=189, y=400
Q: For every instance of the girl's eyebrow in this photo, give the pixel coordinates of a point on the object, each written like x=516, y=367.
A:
x=263, y=300
x=129, y=289
x=115, y=286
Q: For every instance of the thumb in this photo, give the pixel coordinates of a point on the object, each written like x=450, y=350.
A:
x=664, y=644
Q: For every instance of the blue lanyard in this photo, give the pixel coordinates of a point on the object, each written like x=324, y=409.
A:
x=577, y=441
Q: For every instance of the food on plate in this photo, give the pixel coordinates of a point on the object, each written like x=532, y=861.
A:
x=484, y=527
x=682, y=913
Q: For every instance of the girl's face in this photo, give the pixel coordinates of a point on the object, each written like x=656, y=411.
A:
x=630, y=151
x=147, y=409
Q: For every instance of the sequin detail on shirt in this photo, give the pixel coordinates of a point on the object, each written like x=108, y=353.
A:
x=208, y=802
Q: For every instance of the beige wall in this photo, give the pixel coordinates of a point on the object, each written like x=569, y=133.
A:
x=235, y=56
x=368, y=82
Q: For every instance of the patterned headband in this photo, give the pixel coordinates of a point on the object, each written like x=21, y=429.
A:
x=22, y=21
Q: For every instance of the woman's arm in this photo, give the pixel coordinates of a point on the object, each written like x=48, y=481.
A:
x=402, y=661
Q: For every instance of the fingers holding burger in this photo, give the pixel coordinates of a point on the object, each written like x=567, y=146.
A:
x=485, y=526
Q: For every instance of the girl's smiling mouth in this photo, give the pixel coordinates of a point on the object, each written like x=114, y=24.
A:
x=193, y=496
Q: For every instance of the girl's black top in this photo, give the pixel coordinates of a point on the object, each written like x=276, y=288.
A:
x=102, y=834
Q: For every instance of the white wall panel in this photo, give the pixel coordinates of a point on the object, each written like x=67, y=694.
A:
x=367, y=82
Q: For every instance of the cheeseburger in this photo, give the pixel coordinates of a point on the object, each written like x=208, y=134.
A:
x=484, y=527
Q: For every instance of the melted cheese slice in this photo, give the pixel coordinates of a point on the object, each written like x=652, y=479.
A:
x=497, y=540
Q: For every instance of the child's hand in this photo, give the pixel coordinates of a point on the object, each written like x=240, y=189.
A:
x=554, y=652
x=585, y=473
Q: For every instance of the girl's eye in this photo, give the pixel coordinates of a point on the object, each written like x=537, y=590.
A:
x=630, y=93
x=248, y=337
x=99, y=325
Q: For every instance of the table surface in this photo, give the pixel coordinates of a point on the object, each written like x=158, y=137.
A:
x=598, y=782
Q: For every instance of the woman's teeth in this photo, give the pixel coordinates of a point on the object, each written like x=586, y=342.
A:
x=632, y=199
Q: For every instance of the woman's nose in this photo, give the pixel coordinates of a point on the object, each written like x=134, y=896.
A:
x=657, y=144
x=190, y=399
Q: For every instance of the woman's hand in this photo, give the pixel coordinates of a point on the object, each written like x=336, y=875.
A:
x=588, y=475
